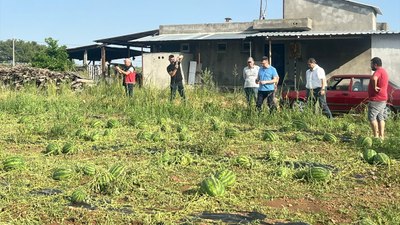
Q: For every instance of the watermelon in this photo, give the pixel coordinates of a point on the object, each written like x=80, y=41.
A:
x=13, y=162
x=231, y=132
x=96, y=123
x=111, y=123
x=212, y=186
x=94, y=136
x=283, y=172
x=80, y=132
x=117, y=170
x=165, y=128
x=226, y=177
x=62, y=173
x=318, y=174
x=78, y=196
x=185, y=159
x=68, y=148
x=180, y=128
x=381, y=159
x=365, y=142
x=89, y=170
x=103, y=181
x=184, y=136
x=144, y=135
x=107, y=132
x=300, y=137
x=328, y=137
x=274, y=155
x=369, y=155
x=52, y=149
x=300, y=125
x=157, y=136
x=270, y=136
x=244, y=161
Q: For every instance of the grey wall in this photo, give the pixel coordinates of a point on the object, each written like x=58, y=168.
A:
x=332, y=15
x=387, y=47
x=336, y=56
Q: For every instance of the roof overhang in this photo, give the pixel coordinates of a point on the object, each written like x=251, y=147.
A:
x=193, y=37
x=94, y=52
x=318, y=35
x=124, y=40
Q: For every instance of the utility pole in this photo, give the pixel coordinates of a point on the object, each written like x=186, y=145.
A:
x=13, y=52
x=262, y=12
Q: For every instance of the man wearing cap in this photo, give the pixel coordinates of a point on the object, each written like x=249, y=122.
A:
x=129, y=76
x=250, y=73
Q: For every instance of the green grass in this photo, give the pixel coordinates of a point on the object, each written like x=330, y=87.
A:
x=156, y=187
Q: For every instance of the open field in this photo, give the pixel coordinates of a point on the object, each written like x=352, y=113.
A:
x=164, y=150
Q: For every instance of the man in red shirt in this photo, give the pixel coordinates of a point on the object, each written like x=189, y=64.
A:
x=377, y=96
x=129, y=76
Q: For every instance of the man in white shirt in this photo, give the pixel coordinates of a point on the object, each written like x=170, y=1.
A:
x=316, y=86
x=250, y=73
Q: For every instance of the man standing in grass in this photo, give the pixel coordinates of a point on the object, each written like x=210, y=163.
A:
x=377, y=96
x=267, y=78
x=250, y=73
x=129, y=76
x=174, y=70
x=316, y=86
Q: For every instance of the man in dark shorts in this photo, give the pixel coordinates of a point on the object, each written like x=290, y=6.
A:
x=174, y=70
x=377, y=96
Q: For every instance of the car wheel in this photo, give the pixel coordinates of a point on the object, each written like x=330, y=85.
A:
x=298, y=105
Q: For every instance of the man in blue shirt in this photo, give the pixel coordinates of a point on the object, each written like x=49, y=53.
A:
x=267, y=78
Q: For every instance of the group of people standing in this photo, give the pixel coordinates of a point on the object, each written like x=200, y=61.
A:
x=260, y=83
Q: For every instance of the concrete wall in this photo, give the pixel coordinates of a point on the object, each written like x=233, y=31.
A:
x=155, y=68
x=205, y=28
x=387, y=47
x=331, y=15
x=226, y=66
x=336, y=56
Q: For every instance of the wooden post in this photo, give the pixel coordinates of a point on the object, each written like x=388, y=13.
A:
x=103, y=61
x=85, y=58
x=13, y=52
x=270, y=52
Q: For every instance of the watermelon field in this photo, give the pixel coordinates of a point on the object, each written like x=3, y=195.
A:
x=97, y=157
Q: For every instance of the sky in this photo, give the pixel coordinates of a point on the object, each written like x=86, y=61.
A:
x=76, y=23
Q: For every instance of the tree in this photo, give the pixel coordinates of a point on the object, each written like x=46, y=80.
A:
x=24, y=50
x=53, y=57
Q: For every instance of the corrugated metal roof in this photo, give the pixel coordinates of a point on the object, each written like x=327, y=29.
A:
x=315, y=34
x=195, y=37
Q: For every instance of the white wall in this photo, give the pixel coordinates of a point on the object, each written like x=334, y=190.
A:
x=387, y=47
x=155, y=68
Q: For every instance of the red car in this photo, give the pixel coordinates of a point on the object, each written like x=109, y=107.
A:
x=346, y=93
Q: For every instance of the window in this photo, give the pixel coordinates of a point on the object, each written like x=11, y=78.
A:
x=339, y=84
x=185, y=47
x=246, y=45
x=221, y=47
x=360, y=84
